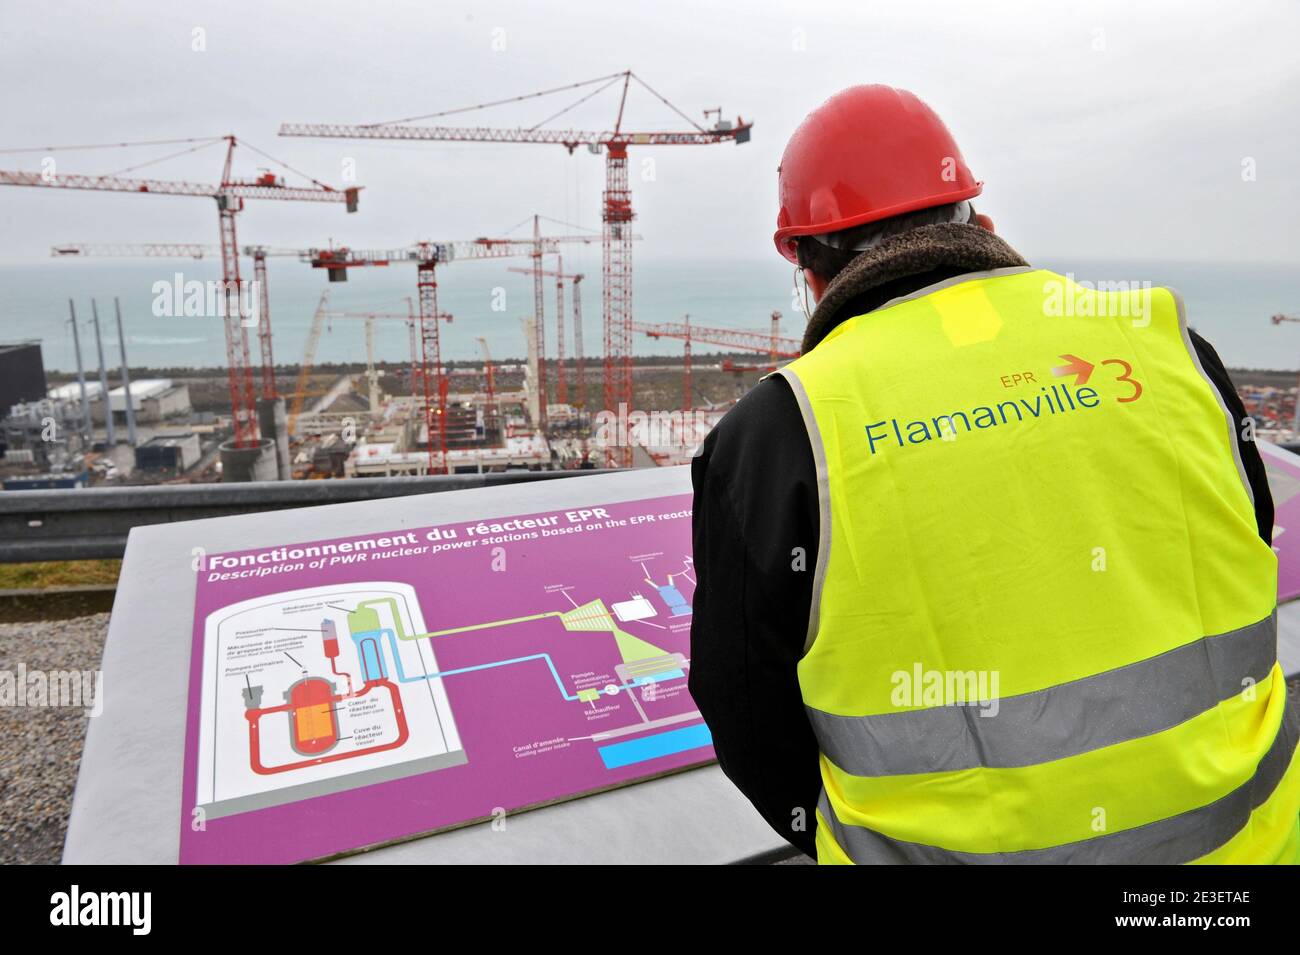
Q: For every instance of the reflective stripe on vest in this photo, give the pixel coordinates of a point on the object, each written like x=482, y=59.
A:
x=1056, y=722
x=1170, y=841
x=1043, y=625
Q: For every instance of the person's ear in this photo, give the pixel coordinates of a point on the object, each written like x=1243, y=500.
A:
x=984, y=222
x=816, y=284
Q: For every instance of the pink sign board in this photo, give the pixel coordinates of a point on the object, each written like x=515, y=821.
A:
x=354, y=692
x=1283, y=469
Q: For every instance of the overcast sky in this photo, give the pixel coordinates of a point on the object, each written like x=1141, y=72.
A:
x=1100, y=129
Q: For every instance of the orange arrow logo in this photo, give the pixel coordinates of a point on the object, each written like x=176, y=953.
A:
x=1082, y=370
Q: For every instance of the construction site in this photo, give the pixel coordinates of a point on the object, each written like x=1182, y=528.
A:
x=556, y=403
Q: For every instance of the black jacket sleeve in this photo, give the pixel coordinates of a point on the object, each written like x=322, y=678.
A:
x=755, y=540
x=1250, y=457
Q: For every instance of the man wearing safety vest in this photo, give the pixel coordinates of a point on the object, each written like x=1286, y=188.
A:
x=985, y=575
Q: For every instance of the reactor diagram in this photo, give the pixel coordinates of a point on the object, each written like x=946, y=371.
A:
x=326, y=689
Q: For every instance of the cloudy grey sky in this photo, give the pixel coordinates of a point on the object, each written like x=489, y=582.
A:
x=1101, y=129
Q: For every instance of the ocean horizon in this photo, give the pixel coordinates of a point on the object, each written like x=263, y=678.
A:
x=1229, y=303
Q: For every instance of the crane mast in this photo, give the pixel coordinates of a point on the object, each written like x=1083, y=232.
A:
x=560, y=276
x=435, y=404
x=269, y=391
x=578, y=354
x=490, y=406
x=616, y=289
x=539, y=324
x=686, y=366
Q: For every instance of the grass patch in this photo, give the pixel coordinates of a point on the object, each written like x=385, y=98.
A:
x=59, y=573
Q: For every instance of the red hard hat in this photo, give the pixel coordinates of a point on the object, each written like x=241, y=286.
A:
x=867, y=153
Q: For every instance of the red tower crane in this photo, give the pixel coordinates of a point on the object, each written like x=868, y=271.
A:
x=229, y=195
x=739, y=339
x=539, y=326
x=616, y=206
x=772, y=342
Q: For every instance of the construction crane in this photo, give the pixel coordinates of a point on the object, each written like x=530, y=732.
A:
x=560, y=276
x=616, y=205
x=686, y=365
x=772, y=342
x=539, y=327
x=411, y=328
x=738, y=339
x=308, y=361
x=229, y=194
x=323, y=316
x=269, y=391
x=426, y=257
x=561, y=372
x=1295, y=417
x=490, y=406
x=160, y=250
x=580, y=356
x=372, y=374
x=191, y=250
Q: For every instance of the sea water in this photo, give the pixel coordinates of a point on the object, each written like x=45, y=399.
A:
x=1230, y=304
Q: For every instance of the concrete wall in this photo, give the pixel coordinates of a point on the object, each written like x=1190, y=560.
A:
x=273, y=423
x=173, y=402
x=255, y=463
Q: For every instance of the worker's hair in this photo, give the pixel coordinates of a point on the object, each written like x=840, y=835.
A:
x=827, y=255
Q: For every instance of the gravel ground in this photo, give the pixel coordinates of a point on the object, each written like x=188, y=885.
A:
x=40, y=746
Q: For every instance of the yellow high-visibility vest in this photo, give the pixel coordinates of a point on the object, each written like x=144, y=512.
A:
x=1044, y=624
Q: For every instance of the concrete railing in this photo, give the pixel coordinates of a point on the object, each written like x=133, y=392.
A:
x=94, y=522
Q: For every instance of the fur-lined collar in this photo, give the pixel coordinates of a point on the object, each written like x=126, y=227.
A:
x=952, y=248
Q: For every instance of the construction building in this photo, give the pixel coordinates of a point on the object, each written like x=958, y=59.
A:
x=169, y=453
x=152, y=399
x=22, y=374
